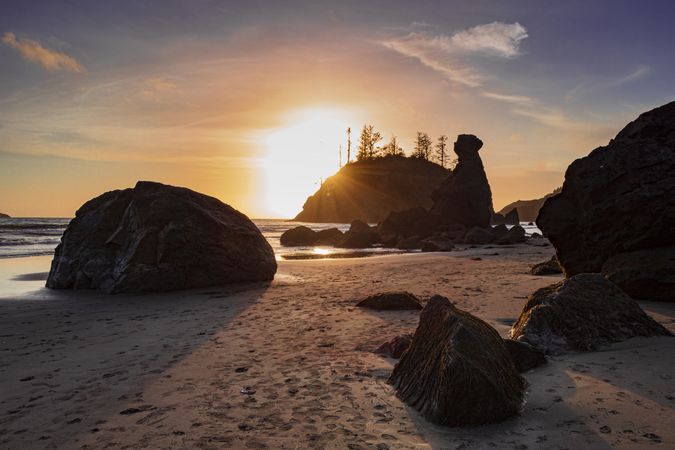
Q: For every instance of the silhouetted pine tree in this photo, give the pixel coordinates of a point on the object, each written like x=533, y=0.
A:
x=422, y=146
x=441, y=146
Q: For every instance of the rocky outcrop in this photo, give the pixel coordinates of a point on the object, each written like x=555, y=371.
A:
x=370, y=189
x=457, y=370
x=359, y=235
x=582, y=313
x=465, y=197
x=303, y=236
x=647, y=274
x=618, y=199
x=511, y=217
x=4, y=216
x=154, y=238
x=389, y=301
x=550, y=267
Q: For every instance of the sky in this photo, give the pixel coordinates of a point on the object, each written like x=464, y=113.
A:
x=249, y=101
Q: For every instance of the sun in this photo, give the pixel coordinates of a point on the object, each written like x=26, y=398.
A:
x=302, y=153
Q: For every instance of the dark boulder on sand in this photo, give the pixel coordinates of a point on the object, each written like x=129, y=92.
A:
x=647, y=274
x=360, y=235
x=155, y=237
x=524, y=356
x=330, y=236
x=479, y=236
x=582, y=313
x=618, y=199
x=465, y=196
x=298, y=236
x=390, y=301
x=515, y=235
x=395, y=347
x=457, y=370
x=550, y=267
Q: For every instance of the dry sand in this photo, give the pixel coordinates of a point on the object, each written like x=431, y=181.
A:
x=86, y=370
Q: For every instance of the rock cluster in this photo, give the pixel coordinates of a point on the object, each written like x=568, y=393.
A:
x=155, y=237
x=582, y=313
x=616, y=210
x=457, y=370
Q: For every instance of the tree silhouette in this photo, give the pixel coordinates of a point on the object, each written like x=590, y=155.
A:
x=441, y=145
x=392, y=148
x=367, y=143
x=422, y=146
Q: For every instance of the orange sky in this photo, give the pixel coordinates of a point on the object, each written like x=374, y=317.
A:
x=254, y=114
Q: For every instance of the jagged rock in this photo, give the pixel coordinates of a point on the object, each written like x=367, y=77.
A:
x=465, y=196
x=409, y=243
x=617, y=199
x=511, y=217
x=154, y=238
x=524, y=356
x=330, y=236
x=437, y=244
x=390, y=301
x=370, y=189
x=298, y=236
x=402, y=223
x=457, y=370
x=582, y=313
x=479, y=236
x=647, y=274
x=395, y=347
x=550, y=267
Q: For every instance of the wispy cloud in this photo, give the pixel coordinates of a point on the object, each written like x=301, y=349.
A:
x=51, y=60
x=155, y=88
x=442, y=53
x=515, y=99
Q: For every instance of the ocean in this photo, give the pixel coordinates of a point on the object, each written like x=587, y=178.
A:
x=23, y=237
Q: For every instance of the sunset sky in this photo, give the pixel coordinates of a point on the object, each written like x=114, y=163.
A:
x=249, y=101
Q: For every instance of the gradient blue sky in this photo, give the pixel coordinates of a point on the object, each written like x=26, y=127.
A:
x=214, y=95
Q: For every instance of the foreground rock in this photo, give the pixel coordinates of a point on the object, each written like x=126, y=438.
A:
x=156, y=238
x=647, y=274
x=618, y=199
x=457, y=370
x=582, y=313
x=395, y=347
x=524, y=356
x=391, y=301
x=550, y=267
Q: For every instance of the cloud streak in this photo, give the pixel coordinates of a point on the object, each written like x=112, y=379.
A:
x=442, y=53
x=51, y=60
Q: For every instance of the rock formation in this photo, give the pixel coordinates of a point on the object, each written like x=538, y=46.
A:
x=457, y=370
x=155, y=237
x=390, y=301
x=619, y=199
x=370, y=189
x=359, y=235
x=465, y=197
x=511, y=217
x=4, y=216
x=582, y=313
x=303, y=236
x=647, y=274
x=550, y=267
x=527, y=209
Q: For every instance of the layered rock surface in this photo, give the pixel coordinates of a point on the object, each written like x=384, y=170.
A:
x=457, y=370
x=155, y=237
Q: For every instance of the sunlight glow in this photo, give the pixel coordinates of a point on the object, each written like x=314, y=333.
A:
x=299, y=155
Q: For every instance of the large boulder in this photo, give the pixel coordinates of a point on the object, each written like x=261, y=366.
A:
x=155, y=237
x=390, y=301
x=457, y=370
x=647, y=274
x=360, y=235
x=511, y=217
x=582, y=313
x=298, y=236
x=329, y=236
x=465, y=196
x=617, y=199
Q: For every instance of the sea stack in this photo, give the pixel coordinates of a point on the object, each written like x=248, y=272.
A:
x=617, y=207
x=155, y=237
x=465, y=197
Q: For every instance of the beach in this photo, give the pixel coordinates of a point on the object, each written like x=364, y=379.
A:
x=289, y=364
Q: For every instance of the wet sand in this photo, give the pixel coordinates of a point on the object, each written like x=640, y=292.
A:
x=86, y=370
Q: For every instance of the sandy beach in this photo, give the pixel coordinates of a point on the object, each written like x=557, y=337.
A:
x=87, y=370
